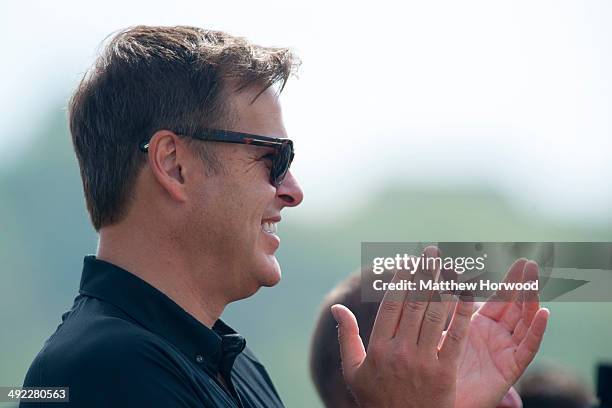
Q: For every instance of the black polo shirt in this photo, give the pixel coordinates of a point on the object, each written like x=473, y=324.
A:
x=126, y=344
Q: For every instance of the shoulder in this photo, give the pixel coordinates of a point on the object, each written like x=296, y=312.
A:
x=111, y=362
x=101, y=341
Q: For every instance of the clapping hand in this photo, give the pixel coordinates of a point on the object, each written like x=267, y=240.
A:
x=504, y=336
x=406, y=364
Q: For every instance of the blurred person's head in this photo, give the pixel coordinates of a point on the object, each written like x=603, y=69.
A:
x=325, y=362
x=207, y=205
x=553, y=387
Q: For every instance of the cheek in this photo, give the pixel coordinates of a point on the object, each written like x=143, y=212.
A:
x=258, y=200
x=236, y=202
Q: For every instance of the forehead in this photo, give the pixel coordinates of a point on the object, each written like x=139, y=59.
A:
x=257, y=114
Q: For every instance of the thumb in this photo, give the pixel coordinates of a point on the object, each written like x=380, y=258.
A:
x=352, y=351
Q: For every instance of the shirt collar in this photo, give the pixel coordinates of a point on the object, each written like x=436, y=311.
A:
x=216, y=349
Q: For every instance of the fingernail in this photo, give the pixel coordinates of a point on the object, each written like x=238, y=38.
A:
x=334, y=312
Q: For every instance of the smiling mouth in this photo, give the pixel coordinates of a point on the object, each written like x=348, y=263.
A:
x=269, y=227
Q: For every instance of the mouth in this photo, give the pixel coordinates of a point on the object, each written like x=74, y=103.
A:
x=269, y=227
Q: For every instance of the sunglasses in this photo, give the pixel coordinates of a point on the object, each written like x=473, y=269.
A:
x=281, y=159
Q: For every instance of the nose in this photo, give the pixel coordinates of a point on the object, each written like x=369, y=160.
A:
x=290, y=192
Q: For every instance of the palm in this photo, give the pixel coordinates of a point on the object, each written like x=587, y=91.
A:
x=488, y=363
x=504, y=337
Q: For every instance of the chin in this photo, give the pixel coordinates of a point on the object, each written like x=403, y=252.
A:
x=270, y=274
x=272, y=281
x=267, y=273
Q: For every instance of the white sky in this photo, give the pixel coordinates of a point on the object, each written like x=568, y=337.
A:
x=516, y=94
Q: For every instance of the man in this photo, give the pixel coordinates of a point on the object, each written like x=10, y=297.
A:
x=325, y=359
x=185, y=166
x=192, y=221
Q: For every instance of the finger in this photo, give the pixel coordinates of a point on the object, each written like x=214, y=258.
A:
x=415, y=306
x=443, y=335
x=527, y=349
x=434, y=321
x=452, y=304
x=519, y=332
x=451, y=308
x=457, y=333
x=390, y=309
x=512, y=399
x=352, y=351
x=513, y=312
x=498, y=303
x=531, y=305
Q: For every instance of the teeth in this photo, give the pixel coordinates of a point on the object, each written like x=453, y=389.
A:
x=269, y=227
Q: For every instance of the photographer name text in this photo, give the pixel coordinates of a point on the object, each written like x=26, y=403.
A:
x=452, y=286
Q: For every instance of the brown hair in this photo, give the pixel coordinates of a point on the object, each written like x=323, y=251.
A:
x=325, y=365
x=553, y=386
x=152, y=78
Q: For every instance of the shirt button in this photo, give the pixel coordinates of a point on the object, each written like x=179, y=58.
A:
x=199, y=358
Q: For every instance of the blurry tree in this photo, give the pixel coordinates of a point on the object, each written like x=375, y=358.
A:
x=45, y=231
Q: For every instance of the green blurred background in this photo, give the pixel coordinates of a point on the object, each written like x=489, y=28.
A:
x=429, y=121
x=46, y=231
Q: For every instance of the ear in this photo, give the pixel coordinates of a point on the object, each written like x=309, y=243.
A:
x=165, y=154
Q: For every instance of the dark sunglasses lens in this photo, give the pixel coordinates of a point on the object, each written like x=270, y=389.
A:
x=281, y=164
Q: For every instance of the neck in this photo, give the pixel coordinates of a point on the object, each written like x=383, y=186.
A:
x=151, y=256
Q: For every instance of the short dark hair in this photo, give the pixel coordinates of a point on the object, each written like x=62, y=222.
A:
x=555, y=387
x=151, y=78
x=325, y=363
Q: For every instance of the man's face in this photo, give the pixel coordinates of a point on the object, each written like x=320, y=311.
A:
x=237, y=210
